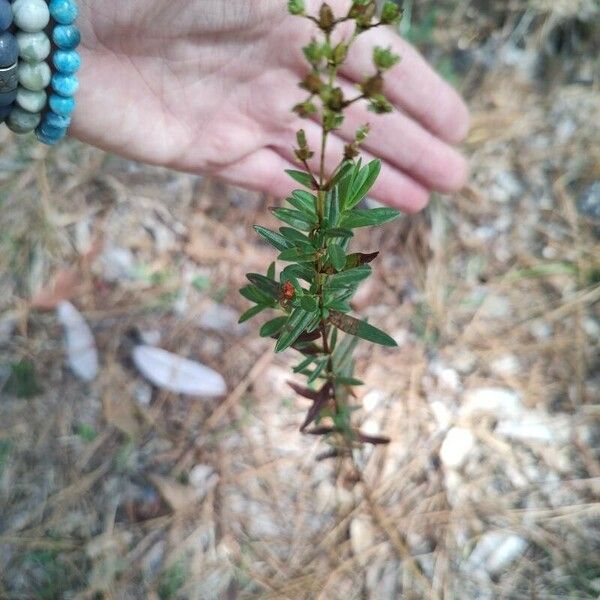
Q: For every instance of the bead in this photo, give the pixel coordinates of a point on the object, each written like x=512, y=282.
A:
x=21, y=121
x=9, y=50
x=33, y=47
x=66, y=37
x=9, y=78
x=55, y=120
x=63, y=11
x=61, y=106
x=6, y=16
x=30, y=15
x=65, y=85
x=7, y=98
x=51, y=133
x=31, y=101
x=34, y=76
x=66, y=61
x=4, y=112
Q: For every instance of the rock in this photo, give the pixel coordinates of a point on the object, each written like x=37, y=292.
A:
x=441, y=413
x=496, y=307
x=362, y=536
x=535, y=427
x=203, y=478
x=456, y=447
x=591, y=327
x=588, y=204
x=117, y=264
x=219, y=317
x=373, y=399
x=507, y=365
x=495, y=551
x=506, y=187
x=498, y=402
x=143, y=393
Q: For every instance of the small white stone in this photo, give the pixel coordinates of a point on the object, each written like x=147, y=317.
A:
x=456, y=447
x=441, y=413
x=505, y=554
x=373, y=399
x=493, y=401
x=591, y=327
x=449, y=379
x=203, y=478
x=507, y=365
x=535, y=427
x=143, y=393
x=464, y=361
x=362, y=536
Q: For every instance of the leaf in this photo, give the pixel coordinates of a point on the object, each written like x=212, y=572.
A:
x=372, y=439
x=298, y=321
x=264, y=284
x=294, y=218
x=271, y=271
x=272, y=327
x=348, y=277
x=360, y=329
x=297, y=255
x=318, y=370
x=273, y=238
x=344, y=170
x=302, y=271
x=309, y=303
x=176, y=374
x=363, y=183
x=252, y=312
x=304, y=201
x=295, y=237
x=337, y=256
x=333, y=207
x=358, y=258
x=82, y=354
x=301, y=177
x=252, y=293
x=322, y=398
x=367, y=218
x=337, y=232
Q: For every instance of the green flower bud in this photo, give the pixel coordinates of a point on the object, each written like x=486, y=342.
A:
x=312, y=83
x=339, y=54
x=380, y=105
x=336, y=99
x=296, y=7
x=373, y=86
x=305, y=109
x=391, y=13
x=384, y=58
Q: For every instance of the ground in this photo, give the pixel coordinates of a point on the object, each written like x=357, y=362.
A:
x=490, y=486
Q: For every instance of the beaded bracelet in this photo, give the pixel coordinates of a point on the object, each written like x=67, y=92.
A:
x=32, y=108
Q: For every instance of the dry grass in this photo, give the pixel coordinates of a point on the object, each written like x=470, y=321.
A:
x=497, y=287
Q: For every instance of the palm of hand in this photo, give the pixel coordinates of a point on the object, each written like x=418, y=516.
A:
x=208, y=87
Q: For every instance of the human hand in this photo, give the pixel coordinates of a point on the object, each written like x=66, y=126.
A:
x=207, y=86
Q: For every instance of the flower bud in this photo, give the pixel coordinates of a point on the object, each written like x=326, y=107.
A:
x=326, y=17
x=312, y=83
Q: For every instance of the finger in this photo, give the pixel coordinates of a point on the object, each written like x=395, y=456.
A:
x=263, y=171
x=406, y=145
x=412, y=85
x=393, y=187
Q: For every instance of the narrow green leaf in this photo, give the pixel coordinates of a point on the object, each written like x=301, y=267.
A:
x=294, y=218
x=360, y=329
x=273, y=238
x=363, y=183
x=349, y=381
x=344, y=170
x=333, y=207
x=320, y=365
x=252, y=312
x=265, y=284
x=367, y=218
x=337, y=256
x=302, y=271
x=253, y=294
x=297, y=255
x=309, y=303
x=271, y=271
x=348, y=278
x=304, y=201
x=301, y=177
x=298, y=321
x=273, y=326
x=337, y=232
x=295, y=237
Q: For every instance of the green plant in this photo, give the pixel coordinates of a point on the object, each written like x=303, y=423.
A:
x=313, y=293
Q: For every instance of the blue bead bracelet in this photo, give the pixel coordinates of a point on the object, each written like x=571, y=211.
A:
x=65, y=62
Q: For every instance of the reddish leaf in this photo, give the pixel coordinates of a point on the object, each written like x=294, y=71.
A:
x=372, y=439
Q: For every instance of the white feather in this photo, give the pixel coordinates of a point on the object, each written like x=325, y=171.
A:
x=177, y=374
x=82, y=355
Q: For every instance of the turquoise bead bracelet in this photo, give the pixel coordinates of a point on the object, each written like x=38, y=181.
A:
x=64, y=82
x=38, y=81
